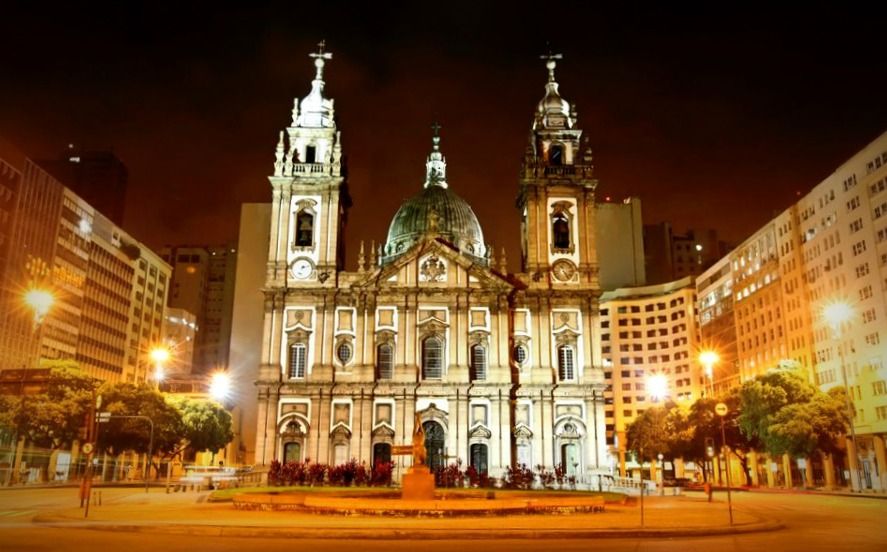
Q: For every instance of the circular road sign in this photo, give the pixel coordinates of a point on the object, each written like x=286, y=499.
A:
x=87, y=448
x=721, y=409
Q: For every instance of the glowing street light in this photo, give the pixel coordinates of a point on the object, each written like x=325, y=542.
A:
x=40, y=301
x=220, y=386
x=708, y=359
x=160, y=355
x=657, y=386
x=836, y=314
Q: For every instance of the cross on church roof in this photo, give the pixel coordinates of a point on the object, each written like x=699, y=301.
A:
x=550, y=62
x=321, y=54
x=435, y=138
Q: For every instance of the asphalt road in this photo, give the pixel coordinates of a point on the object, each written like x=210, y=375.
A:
x=813, y=523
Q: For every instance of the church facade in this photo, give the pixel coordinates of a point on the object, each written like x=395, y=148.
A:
x=500, y=368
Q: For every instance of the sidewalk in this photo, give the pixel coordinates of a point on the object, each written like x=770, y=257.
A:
x=190, y=514
x=824, y=492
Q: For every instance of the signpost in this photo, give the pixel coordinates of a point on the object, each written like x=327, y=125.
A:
x=401, y=450
x=721, y=410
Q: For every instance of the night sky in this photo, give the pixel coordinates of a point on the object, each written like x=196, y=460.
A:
x=713, y=118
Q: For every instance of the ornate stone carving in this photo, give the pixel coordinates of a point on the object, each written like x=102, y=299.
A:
x=479, y=432
x=433, y=269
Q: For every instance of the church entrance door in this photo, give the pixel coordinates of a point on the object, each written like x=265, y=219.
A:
x=570, y=458
x=292, y=452
x=434, y=445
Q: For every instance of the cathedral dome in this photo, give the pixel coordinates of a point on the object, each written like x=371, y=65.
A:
x=435, y=210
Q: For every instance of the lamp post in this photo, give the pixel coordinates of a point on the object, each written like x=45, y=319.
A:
x=708, y=359
x=220, y=386
x=837, y=314
x=160, y=355
x=40, y=301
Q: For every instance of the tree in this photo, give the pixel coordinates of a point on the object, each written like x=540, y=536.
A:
x=647, y=435
x=134, y=434
x=206, y=425
x=55, y=417
x=802, y=429
x=785, y=414
x=706, y=423
x=762, y=398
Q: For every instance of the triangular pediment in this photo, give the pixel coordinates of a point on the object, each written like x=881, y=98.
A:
x=435, y=263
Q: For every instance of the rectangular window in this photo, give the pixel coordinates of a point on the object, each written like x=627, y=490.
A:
x=298, y=360
x=565, y=363
x=879, y=388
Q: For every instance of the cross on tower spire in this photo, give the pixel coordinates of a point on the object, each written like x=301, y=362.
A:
x=551, y=61
x=435, y=138
x=320, y=58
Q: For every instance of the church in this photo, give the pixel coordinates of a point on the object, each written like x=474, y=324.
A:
x=500, y=368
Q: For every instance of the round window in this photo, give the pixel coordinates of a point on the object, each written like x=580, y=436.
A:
x=343, y=353
x=521, y=354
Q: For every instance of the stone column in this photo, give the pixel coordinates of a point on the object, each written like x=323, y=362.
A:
x=771, y=475
x=716, y=468
x=881, y=456
x=787, y=469
x=753, y=467
x=853, y=466
x=828, y=467
x=808, y=472
x=678, y=467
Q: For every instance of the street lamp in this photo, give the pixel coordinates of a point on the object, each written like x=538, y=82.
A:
x=657, y=386
x=837, y=314
x=40, y=301
x=220, y=386
x=708, y=359
x=160, y=355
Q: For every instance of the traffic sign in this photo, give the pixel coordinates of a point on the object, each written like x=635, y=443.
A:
x=87, y=448
x=103, y=417
x=721, y=409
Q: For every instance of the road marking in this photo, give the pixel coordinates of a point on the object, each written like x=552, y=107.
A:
x=14, y=513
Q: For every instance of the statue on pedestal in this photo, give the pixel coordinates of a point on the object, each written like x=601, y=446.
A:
x=419, y=451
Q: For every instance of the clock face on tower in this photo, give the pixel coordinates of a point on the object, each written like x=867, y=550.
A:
x=563, y=270
x=302, y=269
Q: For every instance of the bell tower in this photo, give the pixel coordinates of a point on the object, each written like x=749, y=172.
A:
x=310, y=197
x=556, y=199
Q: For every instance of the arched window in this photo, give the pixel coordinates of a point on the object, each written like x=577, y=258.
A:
x=556, y=154
x=560, y=229
x=385, y=361
x=304, y=229
x=298, y=360
x=565, y=363
x=478, y=362
x=432, y=358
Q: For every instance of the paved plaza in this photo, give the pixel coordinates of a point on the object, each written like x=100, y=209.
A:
x=49, y=519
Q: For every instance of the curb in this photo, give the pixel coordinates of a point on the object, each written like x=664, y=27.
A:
x=409, y=534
